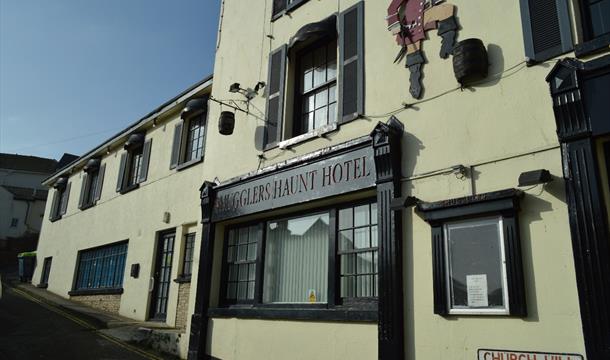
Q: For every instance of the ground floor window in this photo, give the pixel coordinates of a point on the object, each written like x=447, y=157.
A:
x=476, y=254
x=476, y=266
x=46, y=270
x=102, y=267
x=322, y=258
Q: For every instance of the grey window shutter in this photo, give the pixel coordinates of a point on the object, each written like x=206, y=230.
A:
x=64, y=205
x=275, y=97
x=121, y=178
x=100, y=182
x=53, y=212
x=83, y=190
x=177, y=144
x=145, y=161
x=547, y=31
x=351, y=63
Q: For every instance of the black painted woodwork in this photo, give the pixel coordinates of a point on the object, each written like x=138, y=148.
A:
x=387, y=155
x=577, y=127
x=504, y=203
x=547, y=30
x=199, y=319
x=275, y=96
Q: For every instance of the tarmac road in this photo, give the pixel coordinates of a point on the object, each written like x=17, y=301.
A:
x=30, y=329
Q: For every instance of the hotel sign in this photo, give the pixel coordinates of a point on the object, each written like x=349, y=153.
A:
x=489, y=354
x=339, y=174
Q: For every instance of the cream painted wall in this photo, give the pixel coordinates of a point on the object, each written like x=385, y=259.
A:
x=136, y=216
x=500, y=129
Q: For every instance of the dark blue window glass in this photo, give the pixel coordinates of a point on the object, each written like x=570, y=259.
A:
x=101, y=268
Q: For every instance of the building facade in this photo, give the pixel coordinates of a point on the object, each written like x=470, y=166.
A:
x=121, y=226
x=389, y=198
x=373, y=191
x=22, y=199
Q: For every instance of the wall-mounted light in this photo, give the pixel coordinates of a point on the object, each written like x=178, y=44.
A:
x=248, y=92
x=226, y=123
x=535, y=177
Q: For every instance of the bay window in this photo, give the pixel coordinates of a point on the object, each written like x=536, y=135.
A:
x=319, y=260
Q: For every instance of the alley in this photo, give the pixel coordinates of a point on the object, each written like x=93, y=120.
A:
x=31, y=330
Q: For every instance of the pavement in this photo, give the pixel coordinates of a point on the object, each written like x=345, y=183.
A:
x=37, y=324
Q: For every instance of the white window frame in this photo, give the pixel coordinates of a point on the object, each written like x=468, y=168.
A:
x=498, y=221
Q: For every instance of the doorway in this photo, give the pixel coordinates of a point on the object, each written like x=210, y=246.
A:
x=161, y=276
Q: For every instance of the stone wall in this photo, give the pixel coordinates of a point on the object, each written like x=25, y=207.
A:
x=109, y=303
x=183, y=305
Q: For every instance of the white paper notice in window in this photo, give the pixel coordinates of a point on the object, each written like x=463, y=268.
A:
x=477, y=290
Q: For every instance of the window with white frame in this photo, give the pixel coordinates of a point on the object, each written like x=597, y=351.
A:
x=476, y=275
x=188, y=145
x=322, y=72
x=476, y=254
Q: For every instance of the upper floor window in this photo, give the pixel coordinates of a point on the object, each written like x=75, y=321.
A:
x=91, y=188
x=328, y=89
x=317, y=95
x=59, y=205
x=547, y=28
x=281, y=6
x=133, y=168
x=595, y=16
x=189, y=134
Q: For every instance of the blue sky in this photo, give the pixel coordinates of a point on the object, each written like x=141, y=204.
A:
x=74, y=72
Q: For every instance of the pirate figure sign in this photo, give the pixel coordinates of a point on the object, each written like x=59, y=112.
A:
x=409, y=20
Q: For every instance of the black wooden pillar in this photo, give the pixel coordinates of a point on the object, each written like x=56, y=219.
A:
x=199, y=320
x=590, y=242
x=387, y=153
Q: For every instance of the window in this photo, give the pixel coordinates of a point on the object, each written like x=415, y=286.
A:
x=477, y=254
x=133, y=168
x=14, y=222
x=326, y=79
x=91, y=188
x=189, y=135
x=323, y=259
x=101, y=268
x=358, y=250
x=59, y=205
x=281, y=6
x=46, y=270
x=317, y=95
x=475, y=258
x=194, y=139
x=241, y=263
x=189, y=249
x=595, y=15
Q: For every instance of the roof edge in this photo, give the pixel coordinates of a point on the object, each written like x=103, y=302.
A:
x=161, y=109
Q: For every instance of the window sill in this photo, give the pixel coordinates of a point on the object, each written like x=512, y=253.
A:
x=42, y=286
x=189, y=163
x=593, y=46
x=113, y=291
x=129, y=188
x=317, y=133
x=316, y=314
x=182, y=279
x=54, y=219
x=87, y=206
